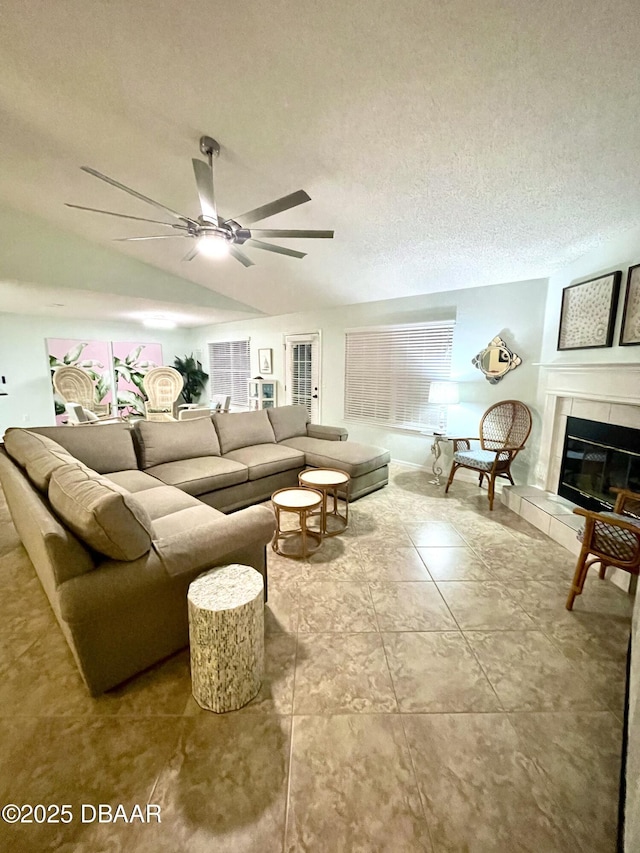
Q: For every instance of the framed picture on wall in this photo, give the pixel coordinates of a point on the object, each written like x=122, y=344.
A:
x=265, y=364
x=630, y=330
x=588, y=313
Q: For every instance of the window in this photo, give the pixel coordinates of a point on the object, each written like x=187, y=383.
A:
x=229, y=370
x=388, y=371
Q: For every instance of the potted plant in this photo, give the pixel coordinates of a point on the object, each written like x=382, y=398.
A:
x=195, y=378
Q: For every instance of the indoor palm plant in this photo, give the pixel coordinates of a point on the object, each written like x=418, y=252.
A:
x=195, y=378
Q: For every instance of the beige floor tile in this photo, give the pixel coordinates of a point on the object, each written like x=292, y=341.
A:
x=411, y=606
x=382, y=562
x=483, y=534
x=223, y=789
x=281, y=610
x=520, y=562
x=342, y=607
x=539, y=597
x=434, y=534
x=529, y=673
x=484, y=805
x=342, y=673
x=573, y=753
x=353, y=787
x=585, y=636
x=81, y=761
x=483, y=605
x=372, y=528
x=454, y=564
x=437, y=672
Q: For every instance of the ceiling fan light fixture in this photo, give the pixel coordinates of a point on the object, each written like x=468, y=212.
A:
x=211, y=234
x=213, y=246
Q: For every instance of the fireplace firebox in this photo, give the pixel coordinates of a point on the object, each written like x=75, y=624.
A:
x=596, y=458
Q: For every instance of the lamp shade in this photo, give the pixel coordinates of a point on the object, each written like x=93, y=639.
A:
x=444, y=393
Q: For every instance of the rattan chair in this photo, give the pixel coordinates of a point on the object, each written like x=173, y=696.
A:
x=75, y=385
x=609, y=538
x=163, y=386
x=504, y=430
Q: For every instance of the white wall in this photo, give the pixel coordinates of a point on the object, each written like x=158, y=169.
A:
x=24, y=360
x=515, y=311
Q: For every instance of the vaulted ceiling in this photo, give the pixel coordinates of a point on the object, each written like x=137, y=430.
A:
x=449, y=144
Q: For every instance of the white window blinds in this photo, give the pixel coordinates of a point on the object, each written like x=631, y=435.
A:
x=388, y=371
x=229, y=370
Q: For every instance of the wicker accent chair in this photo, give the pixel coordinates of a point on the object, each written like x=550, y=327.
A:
x=75, y=385
x=504, y=430
x=163, y=386
x=609, y=538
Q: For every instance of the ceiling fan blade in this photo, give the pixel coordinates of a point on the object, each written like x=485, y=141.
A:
x=154, y=237
x=240, y=256
x=269, y=247
x=137, y=195
x=270, y=232
x=204, y=183
x=277, y=206
x=125, y=216
x=191, y=254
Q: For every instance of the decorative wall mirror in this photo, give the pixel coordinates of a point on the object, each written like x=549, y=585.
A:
x=495, y=360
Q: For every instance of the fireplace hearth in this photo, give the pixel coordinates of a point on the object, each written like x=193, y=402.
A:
x=598, y=457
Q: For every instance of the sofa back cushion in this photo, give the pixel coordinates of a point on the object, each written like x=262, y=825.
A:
x=102, y=514
x=55, y=552
x=170, y=441
x=37, y=454
x=288, y=421
x=103, y=447
x=242, y=429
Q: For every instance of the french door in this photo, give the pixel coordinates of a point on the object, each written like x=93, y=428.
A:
x=302, y=385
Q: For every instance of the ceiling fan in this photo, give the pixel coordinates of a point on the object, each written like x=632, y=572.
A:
x=213, y=235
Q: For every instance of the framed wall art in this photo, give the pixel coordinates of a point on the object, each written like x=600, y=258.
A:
x=588, y=313
x=265, y=361
x=630, y=329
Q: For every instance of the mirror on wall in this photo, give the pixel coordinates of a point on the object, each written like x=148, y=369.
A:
x=496, y=360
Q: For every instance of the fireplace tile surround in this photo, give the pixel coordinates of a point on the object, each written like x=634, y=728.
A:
x=608, y=393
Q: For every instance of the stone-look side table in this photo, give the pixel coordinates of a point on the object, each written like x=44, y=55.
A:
x=303, y=502
x=226, y=636
x=328, y=481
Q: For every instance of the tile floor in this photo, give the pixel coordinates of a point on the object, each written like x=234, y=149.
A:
x=425, y=691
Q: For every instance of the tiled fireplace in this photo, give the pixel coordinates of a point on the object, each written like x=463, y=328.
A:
x=607, y=393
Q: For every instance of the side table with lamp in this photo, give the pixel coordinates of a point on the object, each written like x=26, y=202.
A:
x=441, y=394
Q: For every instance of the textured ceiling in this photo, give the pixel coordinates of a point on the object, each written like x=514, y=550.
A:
x=449, y=144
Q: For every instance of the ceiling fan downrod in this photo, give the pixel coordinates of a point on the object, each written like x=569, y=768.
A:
x=210, y=147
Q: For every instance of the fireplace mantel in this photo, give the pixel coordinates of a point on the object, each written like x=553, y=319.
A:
x=605, y=392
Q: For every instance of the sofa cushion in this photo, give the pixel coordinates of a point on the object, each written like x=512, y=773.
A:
x=349, y=456
x=202, y=475
x=105, y=448
x=170, y=441
x=102, y=514
x=242, y=429
x=37, y=454
x=134, y=481
x=288, y=421
x=265, y=459
x=165, y=500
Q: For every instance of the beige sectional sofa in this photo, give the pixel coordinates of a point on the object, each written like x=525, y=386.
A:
x=118, y=520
